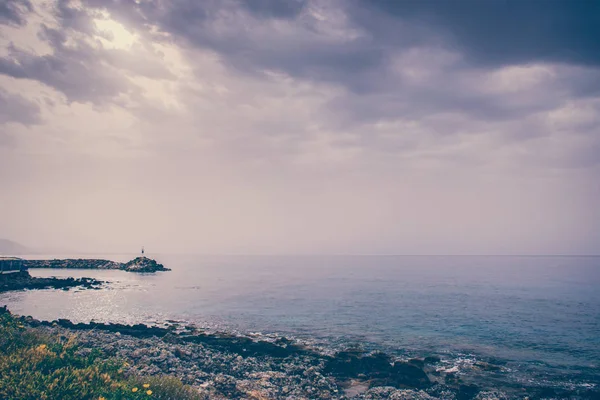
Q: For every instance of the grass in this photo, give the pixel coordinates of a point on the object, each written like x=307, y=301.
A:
x=36, y=365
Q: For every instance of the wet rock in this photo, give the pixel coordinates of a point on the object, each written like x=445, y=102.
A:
x=467, y=392
x=22, y=280
x=451, y=379
x=417, y=362
x=432, y=360
x=487, y=366
x=378, y=368
x=347, y=364
x=408, y=375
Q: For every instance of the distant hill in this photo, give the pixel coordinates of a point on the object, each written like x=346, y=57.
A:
x=10, y=248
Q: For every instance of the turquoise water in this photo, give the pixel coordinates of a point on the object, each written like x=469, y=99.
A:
x=539, y=317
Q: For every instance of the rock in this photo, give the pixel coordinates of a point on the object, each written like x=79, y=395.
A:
x=22, y=280
x=417, y=362
x=408, y=375
x=139, y=264
x=76, y=263
x=229, y=367
x=491, y=395
x=348, y=364
x=395, y=394
x=451, y=379
x=377, y=368
x=467, y=392
x=432, y=360
x=143, y=264
x=487, y=366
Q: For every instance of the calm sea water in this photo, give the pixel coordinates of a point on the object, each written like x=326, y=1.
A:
x=539, y=316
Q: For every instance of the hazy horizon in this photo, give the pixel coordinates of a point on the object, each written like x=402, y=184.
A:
x=300, y=127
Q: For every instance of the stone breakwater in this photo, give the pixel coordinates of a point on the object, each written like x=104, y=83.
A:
x=22, y=280
x=139, y=264
x=222, y=366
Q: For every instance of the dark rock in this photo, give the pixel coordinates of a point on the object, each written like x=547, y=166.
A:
x=467, y=392
x=407, y=375
x=451, y=379
x=377, y=368
x=143, y=264
x=22, y=280
x=348, y=364
x=432, y=360
x=73, y=264
x=417, y=362
x=487, y=366
x=548, y=393
x=139, y=264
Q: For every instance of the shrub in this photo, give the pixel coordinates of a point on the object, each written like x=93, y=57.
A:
x=36, y=365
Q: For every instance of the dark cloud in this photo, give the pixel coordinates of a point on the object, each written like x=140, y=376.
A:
x=274, y=8
x=241, y=34
x=289, y=36
x=15, y=108
x=82, y=71
x=14, y=12
x=252, y=37
x=496, y=32
x=491, y=33
x=500, y=32
x=75, y=71
x=73, y=18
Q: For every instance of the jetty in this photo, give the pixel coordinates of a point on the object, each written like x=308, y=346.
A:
x=140, y=264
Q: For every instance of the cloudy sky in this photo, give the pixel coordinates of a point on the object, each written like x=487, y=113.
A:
x=292, y=126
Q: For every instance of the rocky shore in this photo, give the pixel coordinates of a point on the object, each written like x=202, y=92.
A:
x=22, y=280
x=139, y=264
x=222, y=366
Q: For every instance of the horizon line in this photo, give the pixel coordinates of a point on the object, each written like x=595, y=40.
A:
x=306, y=254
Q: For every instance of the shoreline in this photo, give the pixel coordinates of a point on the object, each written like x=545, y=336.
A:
x=225, y=366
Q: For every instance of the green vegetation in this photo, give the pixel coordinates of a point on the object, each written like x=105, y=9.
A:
x=36, y=365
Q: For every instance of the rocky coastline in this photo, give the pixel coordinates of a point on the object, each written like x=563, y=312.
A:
x=139, y=264
x=227, y=366
x=223, y=366
x=22, y=280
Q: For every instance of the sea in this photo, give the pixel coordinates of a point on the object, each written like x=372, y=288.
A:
x=537, y=317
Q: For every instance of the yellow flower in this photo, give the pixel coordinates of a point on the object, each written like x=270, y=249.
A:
x=146, y=385
x=134, y=390
x=101, y=398
x=149, y=392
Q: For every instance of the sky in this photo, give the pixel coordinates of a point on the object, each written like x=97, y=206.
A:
x=301, y=126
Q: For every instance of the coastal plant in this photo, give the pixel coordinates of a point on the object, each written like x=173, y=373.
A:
x=37, y=364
